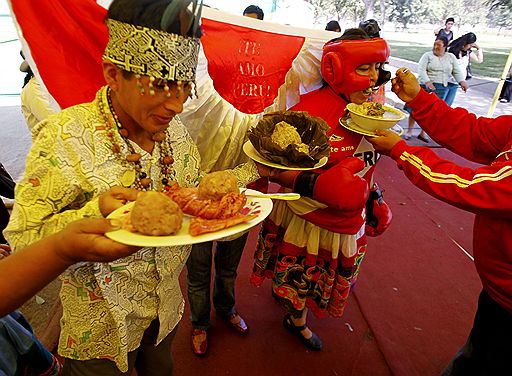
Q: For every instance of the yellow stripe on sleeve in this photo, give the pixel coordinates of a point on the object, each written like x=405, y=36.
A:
x=438, y=177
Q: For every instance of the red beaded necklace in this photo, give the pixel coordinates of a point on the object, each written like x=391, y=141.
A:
x=136, y=177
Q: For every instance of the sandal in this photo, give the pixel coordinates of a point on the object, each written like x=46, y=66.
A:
x=313, y=343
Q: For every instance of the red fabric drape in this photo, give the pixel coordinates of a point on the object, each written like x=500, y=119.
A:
x=247, y=66
x=66, y=40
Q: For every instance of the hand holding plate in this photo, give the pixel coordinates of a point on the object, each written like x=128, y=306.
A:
x=384, y=141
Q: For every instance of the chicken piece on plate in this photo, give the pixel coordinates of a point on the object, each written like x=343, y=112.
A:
x=200, y=226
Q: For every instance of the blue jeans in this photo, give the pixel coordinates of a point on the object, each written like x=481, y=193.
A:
x=441, y=91
x=487, y=351
x=450, y=93
x=199, y=267
x=21, y=352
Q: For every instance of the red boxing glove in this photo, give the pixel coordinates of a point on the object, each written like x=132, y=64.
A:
x=338, y=186
x=378, y=213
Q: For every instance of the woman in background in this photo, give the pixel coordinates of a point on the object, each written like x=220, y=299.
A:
x=462, y=49
x=435, y=69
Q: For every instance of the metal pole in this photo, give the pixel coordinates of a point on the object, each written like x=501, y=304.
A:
x=500, y=85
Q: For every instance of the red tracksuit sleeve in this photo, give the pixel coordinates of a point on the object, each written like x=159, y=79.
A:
x=477, y=139
x=486, y=190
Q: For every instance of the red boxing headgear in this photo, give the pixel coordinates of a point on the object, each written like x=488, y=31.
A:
x=341, y=58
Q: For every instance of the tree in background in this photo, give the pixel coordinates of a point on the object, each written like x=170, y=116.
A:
x=382, y=8
x=340, y=10
x=465, y=12
x=492, y=13
x=475, y=12
x=499, y=3
x=369, y=9
x=500, y=13
x=405, y=12
x=320, y=9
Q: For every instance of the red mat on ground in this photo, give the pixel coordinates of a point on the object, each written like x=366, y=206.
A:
x=411, y=310
x=418, y=289
x=268, y=349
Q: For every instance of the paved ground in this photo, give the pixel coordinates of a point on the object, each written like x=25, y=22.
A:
x=477, y=99
x=15, y=140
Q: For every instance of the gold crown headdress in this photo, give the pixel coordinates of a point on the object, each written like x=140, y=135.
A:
x=155, y=53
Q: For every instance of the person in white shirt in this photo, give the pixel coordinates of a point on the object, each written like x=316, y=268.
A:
x=36, y=103
x=435, y=69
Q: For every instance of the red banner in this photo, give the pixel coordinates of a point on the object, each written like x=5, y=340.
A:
x=247, y=66
x=66, y=41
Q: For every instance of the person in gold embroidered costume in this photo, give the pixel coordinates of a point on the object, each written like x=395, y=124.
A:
x=86, y=160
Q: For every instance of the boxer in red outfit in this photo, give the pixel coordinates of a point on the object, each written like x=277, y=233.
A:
x=312, y=248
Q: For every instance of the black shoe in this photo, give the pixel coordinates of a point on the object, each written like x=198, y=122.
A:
x=313, y=343
x=423, y=138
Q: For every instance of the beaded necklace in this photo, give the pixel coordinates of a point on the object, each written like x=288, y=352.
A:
x=136, y=177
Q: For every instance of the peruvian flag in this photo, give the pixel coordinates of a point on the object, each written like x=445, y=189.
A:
x=63, y=41
x=245, y=72
x=246, y=66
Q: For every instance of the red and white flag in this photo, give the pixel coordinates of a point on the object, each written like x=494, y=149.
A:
x=246, y=67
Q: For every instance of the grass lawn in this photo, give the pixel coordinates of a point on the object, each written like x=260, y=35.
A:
x=411, y=45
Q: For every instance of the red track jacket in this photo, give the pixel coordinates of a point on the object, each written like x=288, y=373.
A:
x=485, y=191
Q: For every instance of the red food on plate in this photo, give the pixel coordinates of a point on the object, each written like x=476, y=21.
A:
x=188, y=199
x=214, y=205
x=200, y=226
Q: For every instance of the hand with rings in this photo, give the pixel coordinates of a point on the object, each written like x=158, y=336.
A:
x=405, y=85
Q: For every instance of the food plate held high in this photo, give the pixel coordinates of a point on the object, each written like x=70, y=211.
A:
x=252, y=153
x=215, y=209
x=371, y=116
x=348, y=123
x=290, y=139
x=255, y=208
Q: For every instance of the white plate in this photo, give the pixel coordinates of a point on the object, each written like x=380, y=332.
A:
x=252, y=153
x=260, y=206
x=352, y=126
